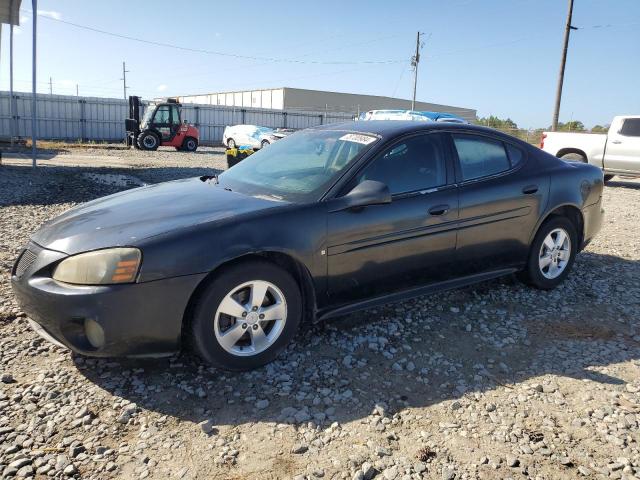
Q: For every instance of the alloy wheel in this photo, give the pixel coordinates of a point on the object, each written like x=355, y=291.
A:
x=555, y=252
x=250, y=318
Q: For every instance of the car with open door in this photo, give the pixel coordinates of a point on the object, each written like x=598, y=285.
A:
x=252, y=136
x=327, y=221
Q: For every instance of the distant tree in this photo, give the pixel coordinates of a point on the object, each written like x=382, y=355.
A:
x=495, y=122
x=600, y=129
x=572, y=126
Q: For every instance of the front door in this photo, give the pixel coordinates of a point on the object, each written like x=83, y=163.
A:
x=410, y=241
x=623, y=148
x=162, y=122
x=502, y=195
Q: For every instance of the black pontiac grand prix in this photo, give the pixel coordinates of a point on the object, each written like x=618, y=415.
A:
x=324, y=222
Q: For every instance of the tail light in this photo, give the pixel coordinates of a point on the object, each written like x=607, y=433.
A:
x=544, y=135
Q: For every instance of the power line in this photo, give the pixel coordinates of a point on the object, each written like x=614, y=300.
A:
x=214, y=52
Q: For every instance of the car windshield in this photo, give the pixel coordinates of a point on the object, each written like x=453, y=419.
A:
x=298, y=168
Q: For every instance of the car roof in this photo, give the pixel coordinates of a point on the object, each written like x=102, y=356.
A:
x=393, y=128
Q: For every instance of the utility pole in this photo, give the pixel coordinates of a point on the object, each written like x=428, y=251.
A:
x=414, y=63
x=124, y=79
x=50, y=86
x=77, y=94
x=563, y=62
x=12, y=113
x=34, y=109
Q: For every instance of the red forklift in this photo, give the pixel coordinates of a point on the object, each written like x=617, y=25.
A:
x=161, y=126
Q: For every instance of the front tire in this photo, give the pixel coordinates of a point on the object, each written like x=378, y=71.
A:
x=265, y=143
x=608, y=177
x=552, y=254
x=148, y=141
x=246, y=316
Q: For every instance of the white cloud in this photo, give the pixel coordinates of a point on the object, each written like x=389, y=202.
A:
x=51, y=14
x=161, y=88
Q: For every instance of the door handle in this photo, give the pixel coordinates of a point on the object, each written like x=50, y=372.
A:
x=529, y=189
x=439, y=210
x=617, y=142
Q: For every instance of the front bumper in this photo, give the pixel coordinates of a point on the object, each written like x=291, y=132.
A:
x=140, y=319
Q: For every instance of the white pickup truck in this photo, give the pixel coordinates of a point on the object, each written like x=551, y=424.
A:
x=616, y=153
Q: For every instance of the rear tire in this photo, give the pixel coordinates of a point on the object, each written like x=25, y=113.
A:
x=190, y=144
x=148, y=141
x=265, y=143
x=608, y=177
x=547, y=249
x=574, y=157
x=255, y=339
x=231, y=143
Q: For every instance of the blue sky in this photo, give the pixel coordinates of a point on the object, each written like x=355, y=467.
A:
x=498, y=56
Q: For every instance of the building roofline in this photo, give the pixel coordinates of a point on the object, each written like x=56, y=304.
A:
x=284, y=89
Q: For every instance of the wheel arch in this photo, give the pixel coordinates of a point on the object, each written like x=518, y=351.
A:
x=565, y=151
x=299, y=272
x=567, y=210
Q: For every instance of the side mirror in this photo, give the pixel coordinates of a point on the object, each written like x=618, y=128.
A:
x=367, y=193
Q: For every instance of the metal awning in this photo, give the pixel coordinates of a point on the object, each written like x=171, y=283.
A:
x=10, y=12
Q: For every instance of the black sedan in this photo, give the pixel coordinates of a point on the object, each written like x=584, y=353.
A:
x=325, y=222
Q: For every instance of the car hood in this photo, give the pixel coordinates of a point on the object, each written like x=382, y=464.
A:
x=129, y=217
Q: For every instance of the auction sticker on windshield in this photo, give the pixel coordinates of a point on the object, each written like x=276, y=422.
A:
x=358, y=138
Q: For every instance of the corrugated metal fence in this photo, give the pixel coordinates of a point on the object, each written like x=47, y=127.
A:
x=69, y=118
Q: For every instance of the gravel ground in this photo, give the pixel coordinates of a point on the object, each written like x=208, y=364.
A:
x=495, y=381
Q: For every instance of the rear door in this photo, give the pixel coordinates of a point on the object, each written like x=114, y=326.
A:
x=502, y=195
x=623, y=148
x=410, y=241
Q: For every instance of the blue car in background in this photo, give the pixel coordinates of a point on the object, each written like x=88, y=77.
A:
x=414, y=115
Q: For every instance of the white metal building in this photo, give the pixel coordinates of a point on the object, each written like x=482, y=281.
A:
x=286, y=98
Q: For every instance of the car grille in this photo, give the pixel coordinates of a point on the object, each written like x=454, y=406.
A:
x=24, y=262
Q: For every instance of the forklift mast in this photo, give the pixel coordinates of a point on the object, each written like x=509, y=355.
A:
x=134, y=108
x=132, y=124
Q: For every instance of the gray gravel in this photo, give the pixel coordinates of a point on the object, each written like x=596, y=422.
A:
x=494, y=381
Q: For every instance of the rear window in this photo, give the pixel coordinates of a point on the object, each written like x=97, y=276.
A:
x=631, y=127
x=480, y=156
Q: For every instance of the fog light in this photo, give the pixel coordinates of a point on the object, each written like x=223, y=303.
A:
x=94, y=332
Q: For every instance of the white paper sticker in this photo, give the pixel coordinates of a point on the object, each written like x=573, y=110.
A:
x=358, y=138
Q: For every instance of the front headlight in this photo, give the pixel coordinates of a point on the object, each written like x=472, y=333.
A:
x=100, y=267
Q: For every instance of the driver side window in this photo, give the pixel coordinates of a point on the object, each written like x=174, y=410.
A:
x=417, y=163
